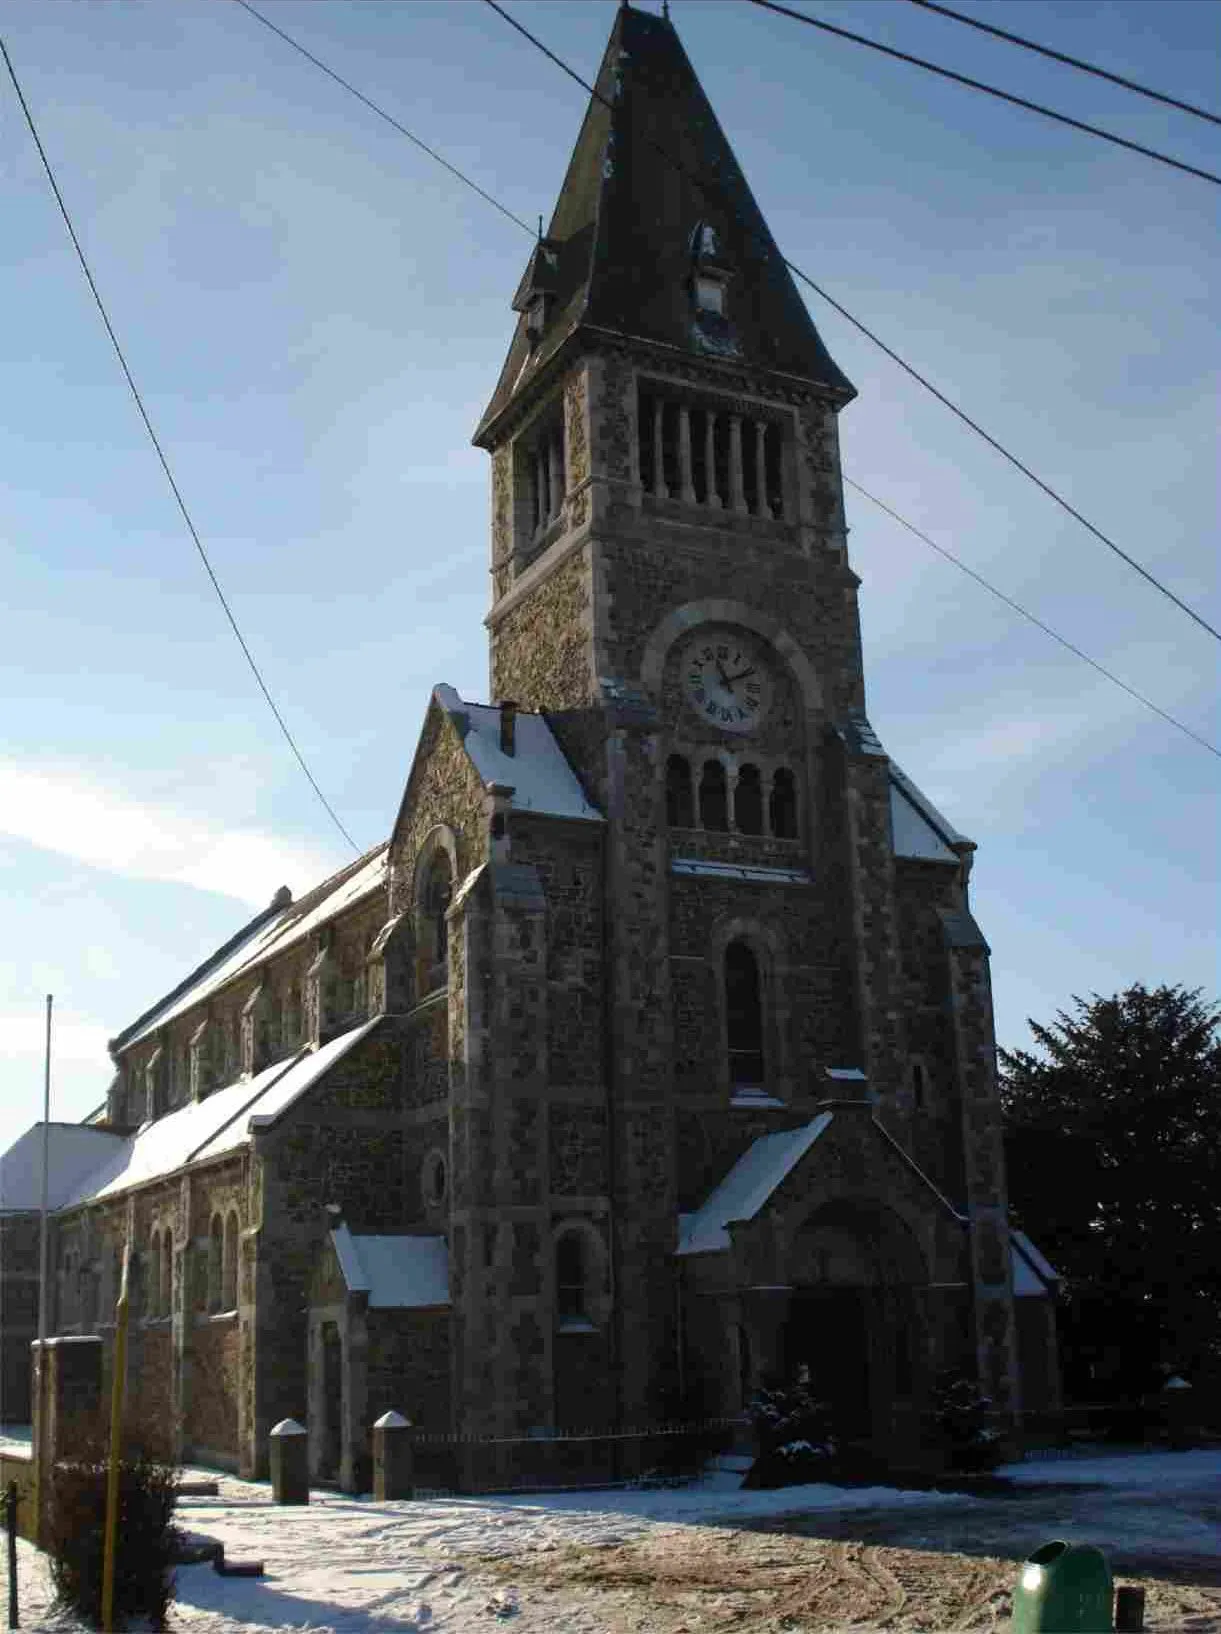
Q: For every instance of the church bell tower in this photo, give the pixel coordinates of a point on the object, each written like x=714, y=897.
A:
x=671, y=588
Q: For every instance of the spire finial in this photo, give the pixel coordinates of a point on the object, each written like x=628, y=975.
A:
x=665, y=9
x=540, y=229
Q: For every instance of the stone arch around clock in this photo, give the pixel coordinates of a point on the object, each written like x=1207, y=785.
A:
x=714, y=610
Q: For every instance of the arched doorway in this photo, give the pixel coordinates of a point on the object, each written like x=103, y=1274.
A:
x=856, y=1321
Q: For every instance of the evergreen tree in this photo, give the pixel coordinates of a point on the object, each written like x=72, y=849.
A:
x=1113, y=1135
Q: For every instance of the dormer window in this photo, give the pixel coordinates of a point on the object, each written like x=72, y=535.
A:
x=710, y=294
x=537, y=291
x=536, y=318
x=710, y=273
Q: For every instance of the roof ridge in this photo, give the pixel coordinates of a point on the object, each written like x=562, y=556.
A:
x=201, y=970
x=311, y=899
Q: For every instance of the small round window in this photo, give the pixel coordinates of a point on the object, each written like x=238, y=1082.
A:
x=436, y=1179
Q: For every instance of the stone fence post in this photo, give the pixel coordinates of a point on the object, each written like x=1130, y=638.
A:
x=393, y=1471
x=289, y=1462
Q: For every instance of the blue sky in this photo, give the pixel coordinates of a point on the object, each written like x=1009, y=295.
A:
x=316, y=314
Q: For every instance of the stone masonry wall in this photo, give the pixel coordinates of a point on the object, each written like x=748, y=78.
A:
x=541, y=645
x=345, y=1143
x=936, y=1129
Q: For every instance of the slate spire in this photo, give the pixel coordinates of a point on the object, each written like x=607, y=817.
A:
x=653, y=191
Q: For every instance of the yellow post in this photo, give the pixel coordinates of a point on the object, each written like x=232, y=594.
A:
x=116, y=1446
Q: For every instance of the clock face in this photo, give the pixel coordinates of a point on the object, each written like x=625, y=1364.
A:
x=726, y=682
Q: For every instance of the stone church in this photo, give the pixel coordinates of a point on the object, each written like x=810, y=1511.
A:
x=652, y=1055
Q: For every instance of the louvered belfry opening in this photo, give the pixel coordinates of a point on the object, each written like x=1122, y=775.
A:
x=546, y=473
x=721, y=459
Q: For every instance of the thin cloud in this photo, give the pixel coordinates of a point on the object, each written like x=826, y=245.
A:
x=74, y=815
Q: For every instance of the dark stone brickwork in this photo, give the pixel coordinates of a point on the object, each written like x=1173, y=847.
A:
x=578, y=1150
x=212, y=1415
x=540, y=646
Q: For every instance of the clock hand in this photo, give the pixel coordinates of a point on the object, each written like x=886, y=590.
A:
x=725, y=681
x=740, y=676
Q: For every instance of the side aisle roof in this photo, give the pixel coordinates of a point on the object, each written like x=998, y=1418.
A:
x=279, y=927
x=211, y=1128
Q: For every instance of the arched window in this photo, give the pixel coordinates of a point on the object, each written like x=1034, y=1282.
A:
x=919, y=1087
x=152, y=1283
x=572, y=1279
x=680, y=801
x=783, y=805
x=748, y=801
x=293, y=1020
x=743, y=1015
x=165, y=1294
x=228, y=1281
x=433, y=930
x=216, y=1262
x=714, y=800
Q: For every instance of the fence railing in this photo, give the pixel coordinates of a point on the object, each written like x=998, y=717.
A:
x=580, y=1460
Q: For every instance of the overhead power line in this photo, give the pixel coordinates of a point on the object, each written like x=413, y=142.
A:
x=160, y=452
x=1018, y=465
x=388, y=117
x=978, y=577
x=988, y=90
x=1072, y=62
x=1030, y=617
x=908, y=368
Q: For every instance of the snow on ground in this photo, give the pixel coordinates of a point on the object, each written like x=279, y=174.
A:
x=347, y=1565
x=1147, y=1470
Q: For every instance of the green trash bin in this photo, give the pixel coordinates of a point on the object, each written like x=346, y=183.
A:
x=1064, y=1588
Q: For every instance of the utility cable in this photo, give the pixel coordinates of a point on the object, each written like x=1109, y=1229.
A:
x=1018, y=465
x=388, y=117
x=988, y=90
x=908, y=368
x=1030, y=617
x=160, y=452
x=1046, y=628
x=1072, y=62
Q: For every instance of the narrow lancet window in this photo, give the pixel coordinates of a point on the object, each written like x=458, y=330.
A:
x=743, y=1015
x=748, y=802
x=571, y=1292
x=434, y=927
x=680, y=800
x=714, y=799
x=783, y=805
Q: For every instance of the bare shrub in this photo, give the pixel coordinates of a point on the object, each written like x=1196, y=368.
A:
x=147, y=1540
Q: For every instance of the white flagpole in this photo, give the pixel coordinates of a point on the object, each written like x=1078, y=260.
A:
x=40, y=1373
x=43, y=1241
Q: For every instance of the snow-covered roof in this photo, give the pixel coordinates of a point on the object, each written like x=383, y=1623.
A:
x=919, y=828
x=914, y=835
x=747, y=1187
x=74, y=1151
x=276, y=1099
x=537, y=771
x=205, y=1129
x=269, y=934
x=397, y=1273
x=1033, y=1276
